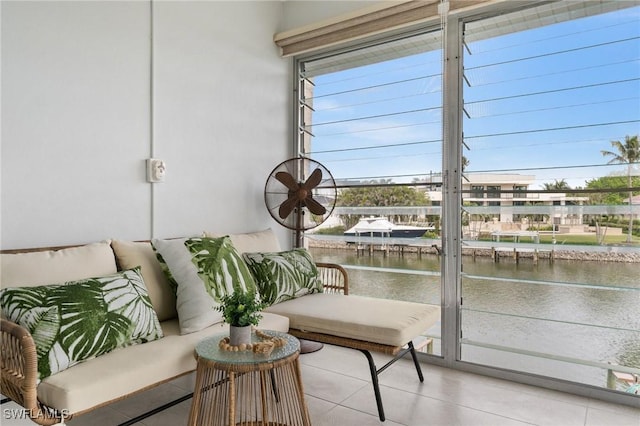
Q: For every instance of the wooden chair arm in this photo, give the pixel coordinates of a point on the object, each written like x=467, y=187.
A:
x=334, y=278
x=19, y=372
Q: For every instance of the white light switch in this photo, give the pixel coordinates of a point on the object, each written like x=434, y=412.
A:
x=156, y=170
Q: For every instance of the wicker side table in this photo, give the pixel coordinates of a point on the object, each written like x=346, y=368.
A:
x=243, y=388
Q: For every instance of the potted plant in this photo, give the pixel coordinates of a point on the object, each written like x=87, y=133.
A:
x=240, y=310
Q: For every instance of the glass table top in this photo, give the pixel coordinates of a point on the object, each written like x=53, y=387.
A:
x=209, y=348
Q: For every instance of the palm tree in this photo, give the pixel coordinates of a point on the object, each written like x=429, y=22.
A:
x=628, y=152
x=557, y=184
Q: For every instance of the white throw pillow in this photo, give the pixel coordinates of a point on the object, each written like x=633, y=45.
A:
x=196, y=309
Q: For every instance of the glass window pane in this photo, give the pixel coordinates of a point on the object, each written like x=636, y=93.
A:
x=552, y=117
x=373, y=116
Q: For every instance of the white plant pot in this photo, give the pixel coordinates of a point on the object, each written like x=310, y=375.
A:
x=239, y=335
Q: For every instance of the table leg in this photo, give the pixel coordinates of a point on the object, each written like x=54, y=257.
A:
x=264, y=393
x=232, y=398
x=306, y=419
x=197, y=395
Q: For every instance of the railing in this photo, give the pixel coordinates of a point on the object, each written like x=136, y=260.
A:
x=619, y=377
x=522, y=210
x=558, y=337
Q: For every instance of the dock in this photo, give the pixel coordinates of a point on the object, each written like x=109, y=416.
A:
x=515, y=253
x=493, y=249
x=496, y=252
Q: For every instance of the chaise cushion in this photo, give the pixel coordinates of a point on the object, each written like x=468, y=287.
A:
x=79, y=320
x=56, y=266
x=205, y=269
x=284, y=275
x=103, y=379
x=130, y=254
x=388, y=322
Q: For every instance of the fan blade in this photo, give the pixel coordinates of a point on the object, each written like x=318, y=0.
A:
x=314, y=206
x=287, y=180
x=314, y=180
x=287, y=207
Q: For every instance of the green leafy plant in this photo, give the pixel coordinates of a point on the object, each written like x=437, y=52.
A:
x=240, y=309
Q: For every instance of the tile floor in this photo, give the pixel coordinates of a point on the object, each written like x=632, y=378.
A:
x=338, y=392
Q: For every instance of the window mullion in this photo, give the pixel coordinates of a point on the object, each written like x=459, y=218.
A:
x=452, y=201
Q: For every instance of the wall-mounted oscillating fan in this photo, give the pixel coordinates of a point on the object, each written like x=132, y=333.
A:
x=300, y=194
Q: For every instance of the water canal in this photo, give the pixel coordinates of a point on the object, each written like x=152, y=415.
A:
x=561, y=318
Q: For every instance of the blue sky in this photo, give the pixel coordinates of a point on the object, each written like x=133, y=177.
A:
x=586, y=85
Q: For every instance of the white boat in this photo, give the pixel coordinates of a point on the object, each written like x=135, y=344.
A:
x=382, y=227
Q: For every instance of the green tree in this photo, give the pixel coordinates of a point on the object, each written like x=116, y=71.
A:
x=609, y=182
x=557, y=185
x=628, y=152
x=380, y=193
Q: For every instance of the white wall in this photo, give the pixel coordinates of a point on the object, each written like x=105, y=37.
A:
x=76, y=118
x=222, y=108
x=75, y=89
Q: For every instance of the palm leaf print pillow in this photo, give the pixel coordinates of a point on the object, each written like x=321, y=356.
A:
x=284, y=275
x=205, y=269
x=220, y=266
x=75, y=321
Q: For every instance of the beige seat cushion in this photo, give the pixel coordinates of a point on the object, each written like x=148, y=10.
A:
x=389, y=322
x=130, y=254
x=261, y=241
x=130, y=369
x=56, y=266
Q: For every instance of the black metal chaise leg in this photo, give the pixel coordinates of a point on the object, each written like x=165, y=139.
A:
x=415, y=361
x=375, y=372
x=376, y=385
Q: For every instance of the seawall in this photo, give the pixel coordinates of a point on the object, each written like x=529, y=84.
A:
x=550, y=253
